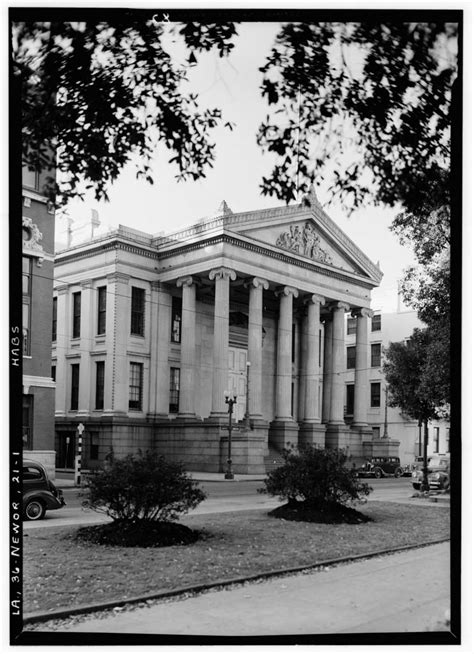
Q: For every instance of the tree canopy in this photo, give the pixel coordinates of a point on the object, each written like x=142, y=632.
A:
x=375, y=95
x=94, y=95
x=414, y=384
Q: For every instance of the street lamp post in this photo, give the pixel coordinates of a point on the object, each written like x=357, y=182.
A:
x=230, y=401
x=247, y=415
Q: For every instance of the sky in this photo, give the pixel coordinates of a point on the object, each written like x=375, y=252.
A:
x=232, y=84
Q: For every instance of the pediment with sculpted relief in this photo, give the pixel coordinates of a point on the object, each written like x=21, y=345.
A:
x=304, y=239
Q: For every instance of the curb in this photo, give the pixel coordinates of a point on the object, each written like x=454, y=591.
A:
x=84, y=609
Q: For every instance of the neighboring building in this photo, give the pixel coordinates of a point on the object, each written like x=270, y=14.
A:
x=38, y=382
x=386, y=328
x=151, y=330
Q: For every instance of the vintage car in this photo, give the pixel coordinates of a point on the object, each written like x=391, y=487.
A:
x=381, y=466
x=39, y=492
x=438, y=472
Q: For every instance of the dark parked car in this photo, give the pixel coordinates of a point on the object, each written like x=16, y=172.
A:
x=438, y=472
x=39, y=492
x=381, y=466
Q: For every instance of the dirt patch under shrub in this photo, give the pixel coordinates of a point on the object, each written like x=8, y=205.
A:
x=332, y=514
x=139, y=533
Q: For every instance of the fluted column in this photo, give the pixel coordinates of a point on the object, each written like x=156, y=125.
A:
x=283, y=368
x=312, y=411
x=188, y=340
x=118, y=329
x=327, y=371
x=88, y=323
x=162, y=335
x=62, y=344
x=336, y=414
x=221, y=338
x=254, y=356
x=361, y=367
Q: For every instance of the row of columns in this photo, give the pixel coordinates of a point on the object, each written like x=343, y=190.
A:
x=334, y=353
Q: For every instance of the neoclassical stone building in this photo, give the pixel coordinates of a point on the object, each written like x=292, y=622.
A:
x=152, y=330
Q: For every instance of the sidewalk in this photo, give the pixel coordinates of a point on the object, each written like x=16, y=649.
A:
x=386, y=594
x=66, y=479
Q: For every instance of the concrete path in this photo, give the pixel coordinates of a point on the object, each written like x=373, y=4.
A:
x=403, y=592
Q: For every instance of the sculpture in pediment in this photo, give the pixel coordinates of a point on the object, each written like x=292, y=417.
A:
x=303, y=241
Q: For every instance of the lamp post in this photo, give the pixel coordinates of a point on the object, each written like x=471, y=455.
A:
x=230, y=401
x=247, y=415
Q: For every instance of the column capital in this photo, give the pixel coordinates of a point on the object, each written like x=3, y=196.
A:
x=315, y=299
x=189, y=280
x=223, y=273
x=60, y=290
x=256, y=282
x=340, y=306
x=362, y=312
x=86, y=283
x=286, y=290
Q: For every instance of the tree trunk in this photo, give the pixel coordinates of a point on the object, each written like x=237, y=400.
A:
x=425, y=485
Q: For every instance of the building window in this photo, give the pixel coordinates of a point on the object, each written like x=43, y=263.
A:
x=26, y=315
x=376, y=322
x=53, y=373
x=349, y=408
x=99, y=384
x=351, y=325
x=101, y=308
x=135, y=393
x=94, y=446
x=375, y=355
x=174, y=390
x=448, y=435
x=375, y=432
x=55, y=319
x=138, y=312
x=176, y=310
x=351, y=357
x=30, y=178
x=74, y=386
x=27, y=420
x=436, y=439
x=76, y=315
x=375, y=394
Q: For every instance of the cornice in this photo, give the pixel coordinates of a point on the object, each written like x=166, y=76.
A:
x=308, y=264
x=116, y=244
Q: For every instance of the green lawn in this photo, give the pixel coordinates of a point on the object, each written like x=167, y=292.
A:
x=62, y=573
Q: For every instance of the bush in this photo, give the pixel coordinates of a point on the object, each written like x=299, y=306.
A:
x=316, y=476
x=143, y=487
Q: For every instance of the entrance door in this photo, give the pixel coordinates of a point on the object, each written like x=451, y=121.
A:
x=238, y=379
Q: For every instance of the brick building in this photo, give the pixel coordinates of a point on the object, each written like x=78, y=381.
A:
x=37, y=287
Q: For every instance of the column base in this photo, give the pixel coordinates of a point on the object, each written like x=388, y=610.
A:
x=283, y=434
x=337, y=436
x=188, y=417
x=312, y=433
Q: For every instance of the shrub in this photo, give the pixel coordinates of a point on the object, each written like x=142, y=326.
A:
x=316, y=476
x=143, y=487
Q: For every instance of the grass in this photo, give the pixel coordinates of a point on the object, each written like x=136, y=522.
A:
x=60, y=572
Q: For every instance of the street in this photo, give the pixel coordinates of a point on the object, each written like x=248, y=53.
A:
x=222, y=496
